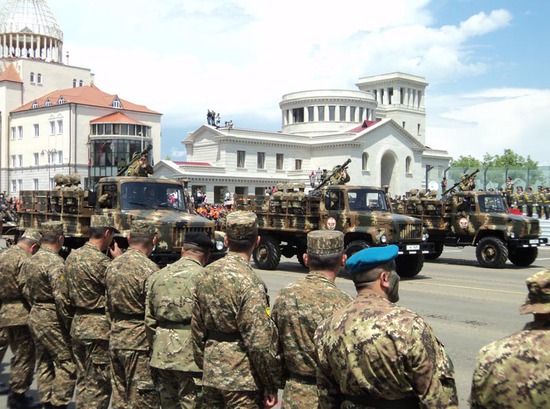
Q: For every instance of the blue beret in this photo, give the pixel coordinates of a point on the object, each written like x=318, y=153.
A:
x=371, y=257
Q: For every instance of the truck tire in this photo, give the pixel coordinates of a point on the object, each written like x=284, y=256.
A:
x=523, y=256
x=355, y=246
x=300, y=256
x=438, y=250
x=268, y=254
x=409, y=265
x=491, y=252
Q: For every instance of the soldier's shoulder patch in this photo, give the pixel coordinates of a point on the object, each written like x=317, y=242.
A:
x=268, y=311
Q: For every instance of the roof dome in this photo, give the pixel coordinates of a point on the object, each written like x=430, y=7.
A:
x=30, y=17
x=28, y=29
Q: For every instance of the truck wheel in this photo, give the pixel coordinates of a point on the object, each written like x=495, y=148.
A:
x=438, y=250
x=491, y=252
x=523, y=257
x=355, y=246
x=268, y=254
x=409, y=265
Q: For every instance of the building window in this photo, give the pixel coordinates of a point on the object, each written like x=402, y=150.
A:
x=361, y=113
x=332, y=113
x=61, y=100
x=261, y=160
x=241, y=156
x=74, y=83
x=298, y=164
x=35, y=184
x=59, y=126
x=14, y=186
x=34, y=105
x=20, y=132
x=321, y=110
x=39, y=78
x=297, y=115
x=52, y=127
x=343, y=113
x=352, y=114
x=310, y=114
x=116, y=103
x=365, y=161
x=36, y=130
x=32, y=77
x=60, y=157
x=48, y=103
x=418, y=129
x=403, y=123
x=408, y=164
x=80, y=83
x=13, y=133
x=20, y=160
x=280, y=158
x=36, y=159
x=13, y=161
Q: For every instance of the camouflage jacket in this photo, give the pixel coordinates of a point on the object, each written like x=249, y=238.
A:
x=169, y=303
x=375, y=348
x=15, y=309
x=46, y=286
x=514, y=372
x=298, y=310
x=126, y=287
x=230, y=298
x=85, y=274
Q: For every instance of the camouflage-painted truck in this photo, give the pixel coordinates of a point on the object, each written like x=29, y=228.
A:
x=480, y=219
x=362, y=213
x=125, y=199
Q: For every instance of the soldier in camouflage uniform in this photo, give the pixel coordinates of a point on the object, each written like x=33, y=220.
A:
x=299, y=309
x=126, y=287
x=373, y=353
x=514, y=372
x=50, y=319
x=58, y=180
x=529, y=200
x=168, y=324
x=339, y=176
x=14, y=314
x=235, y=341
x=85, y=274
x=140, y=168
x=75, y=182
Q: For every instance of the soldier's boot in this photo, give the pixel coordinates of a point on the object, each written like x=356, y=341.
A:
x=22, y=401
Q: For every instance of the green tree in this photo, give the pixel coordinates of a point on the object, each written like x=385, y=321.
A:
x=466, y=162
x=509, y=159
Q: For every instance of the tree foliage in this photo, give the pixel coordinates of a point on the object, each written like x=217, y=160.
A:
x=466, y=162
x=509, y=159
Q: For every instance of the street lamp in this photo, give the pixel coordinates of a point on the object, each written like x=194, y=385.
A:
x=49, y=152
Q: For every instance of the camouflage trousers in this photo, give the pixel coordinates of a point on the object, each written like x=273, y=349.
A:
x=298, y=395
x=55, y=369
x=23, y=359
x=93, y=388
x=219, y=399
x=177, y=389
x=131, y=380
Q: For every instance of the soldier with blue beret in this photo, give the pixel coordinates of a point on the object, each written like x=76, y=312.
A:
x=374, y=353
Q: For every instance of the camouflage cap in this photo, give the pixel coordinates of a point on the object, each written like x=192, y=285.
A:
x=52, y=227
x=538, y=299
x=142, y=228
x=67, y=180
x=102, y=220
x=323, y=242
x=32, y=234
x=241, y=225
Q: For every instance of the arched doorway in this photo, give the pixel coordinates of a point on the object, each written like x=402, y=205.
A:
x=387, y=171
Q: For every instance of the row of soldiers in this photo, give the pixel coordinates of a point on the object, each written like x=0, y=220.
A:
x=67, y=182
x=530, y=202
x=190, y=336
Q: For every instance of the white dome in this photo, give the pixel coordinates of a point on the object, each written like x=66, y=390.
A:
x=29, y=17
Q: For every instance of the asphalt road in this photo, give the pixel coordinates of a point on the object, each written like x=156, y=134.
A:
x=468, y=306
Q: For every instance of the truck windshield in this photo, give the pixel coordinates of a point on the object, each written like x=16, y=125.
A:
x=491, y=204
x=367, y=199
x=139, y=196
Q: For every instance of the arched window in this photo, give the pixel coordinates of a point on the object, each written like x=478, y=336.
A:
x=39, y=78
x=116, y=103
x=32, y=77
x=61, y=100
x=408, y=165
x=34, y=105
x=74, y=83
x=48, y=103
x=80, y=83
x=365, y=161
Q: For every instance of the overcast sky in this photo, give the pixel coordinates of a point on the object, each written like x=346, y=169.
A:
x=487, y=62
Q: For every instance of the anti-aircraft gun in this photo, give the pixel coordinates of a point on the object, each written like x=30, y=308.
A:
x=122, y=171
x=337, y=169
x=465, y=177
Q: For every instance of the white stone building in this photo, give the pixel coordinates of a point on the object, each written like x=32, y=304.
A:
x=53, y=118
x=380, y=127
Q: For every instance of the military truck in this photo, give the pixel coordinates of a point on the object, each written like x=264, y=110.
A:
x=480, y=219
x=125, y=199
x=362, y=213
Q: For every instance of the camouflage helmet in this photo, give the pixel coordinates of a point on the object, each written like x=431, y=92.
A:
x=75, y=178
x=301, y=185
x=280, y=186
x=538, y=299
x=323, y=242
x=67, y=180
x=58, y=178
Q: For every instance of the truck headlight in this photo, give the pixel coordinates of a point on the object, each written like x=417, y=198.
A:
x=511, y=234
x=219, y=245
x=425, y=235
x=383, y=239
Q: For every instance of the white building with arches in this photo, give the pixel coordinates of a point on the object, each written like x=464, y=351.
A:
x=380, y=127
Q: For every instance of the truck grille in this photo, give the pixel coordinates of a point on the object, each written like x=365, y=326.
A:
x=178, y=233
x=407, y=231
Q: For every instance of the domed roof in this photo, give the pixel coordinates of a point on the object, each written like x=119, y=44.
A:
x=30, y=17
